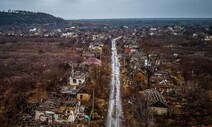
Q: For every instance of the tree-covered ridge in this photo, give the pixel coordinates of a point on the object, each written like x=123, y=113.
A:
x=26, y=17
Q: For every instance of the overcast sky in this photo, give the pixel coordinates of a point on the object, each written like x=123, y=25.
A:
x=88, y=9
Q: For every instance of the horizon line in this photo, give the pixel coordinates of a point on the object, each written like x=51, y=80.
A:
x=141, y=18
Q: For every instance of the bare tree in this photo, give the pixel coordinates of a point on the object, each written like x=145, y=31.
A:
x=152, y=61
x=151, y=67
x=101, y=79
x=141, y=110
x=194, y=93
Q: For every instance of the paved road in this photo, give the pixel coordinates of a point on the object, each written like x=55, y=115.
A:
x=115, y=113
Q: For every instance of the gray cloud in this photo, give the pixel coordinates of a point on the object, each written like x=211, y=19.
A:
x=78, y=9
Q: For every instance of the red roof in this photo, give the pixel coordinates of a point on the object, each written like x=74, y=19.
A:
x=127, y=50
x=92, y=61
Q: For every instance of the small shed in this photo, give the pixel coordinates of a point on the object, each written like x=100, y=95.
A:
x=159, y=108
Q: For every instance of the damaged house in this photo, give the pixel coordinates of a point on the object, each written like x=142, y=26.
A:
x=57, y=110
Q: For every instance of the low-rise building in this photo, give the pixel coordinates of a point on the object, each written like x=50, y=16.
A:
x=57, y=110
x=77, y=78
x=157, y=101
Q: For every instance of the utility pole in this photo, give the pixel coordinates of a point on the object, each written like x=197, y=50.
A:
x=92, y=111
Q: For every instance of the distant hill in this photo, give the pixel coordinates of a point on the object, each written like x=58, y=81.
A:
x=26, y=17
